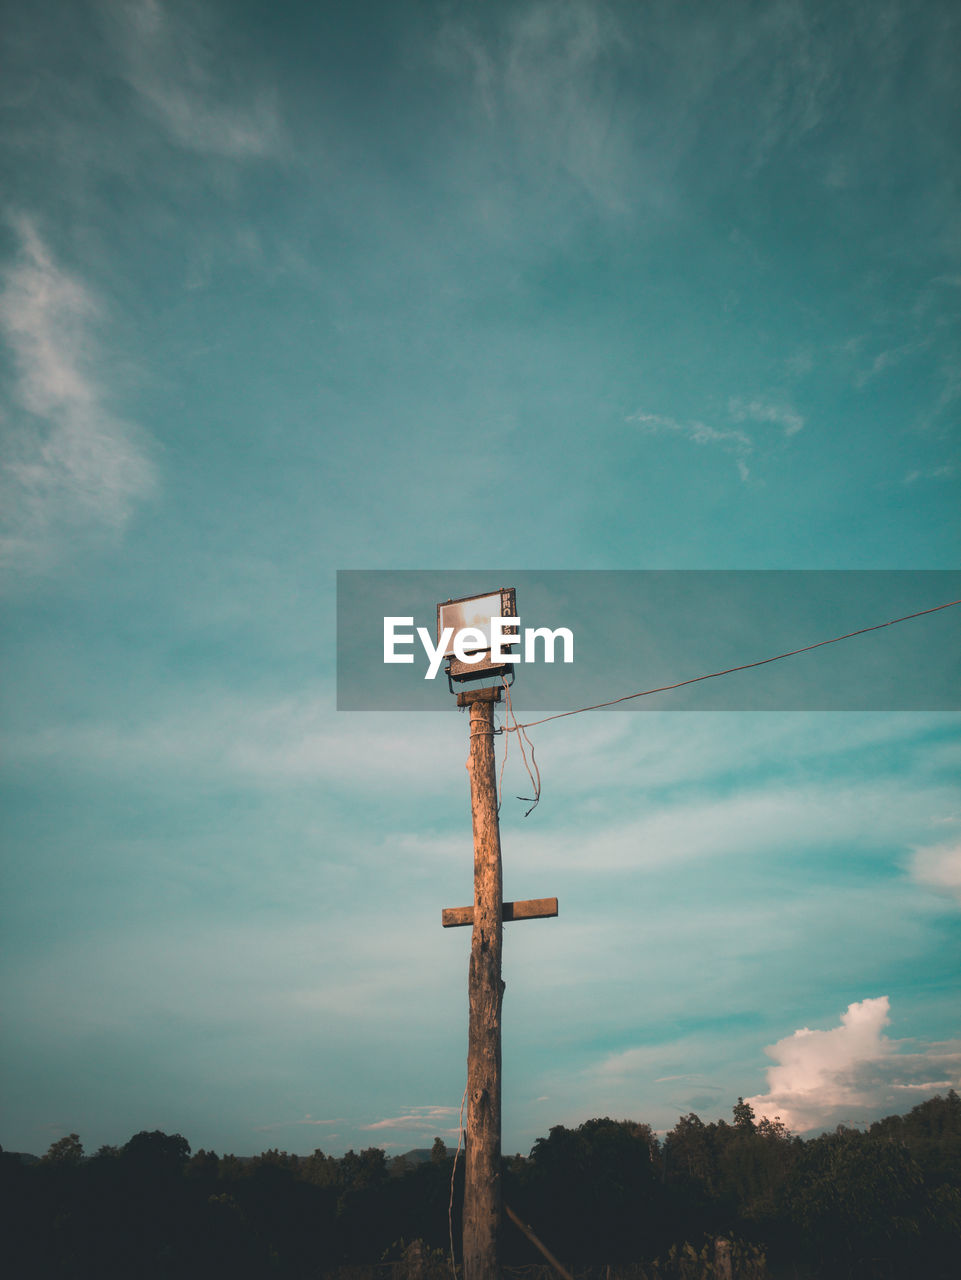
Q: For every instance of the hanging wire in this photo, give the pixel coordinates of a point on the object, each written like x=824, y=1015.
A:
x=450, y=1205
x=521, y=739
x=507, y=741
x=713, y=675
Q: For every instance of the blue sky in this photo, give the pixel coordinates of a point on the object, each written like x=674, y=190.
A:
x=294, y=288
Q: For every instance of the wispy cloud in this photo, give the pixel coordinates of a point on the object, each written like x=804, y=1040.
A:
x=307, y=1121
x=933, y=473
x=748, y=821
x=549, y=77
x=852, y=1073
x=792, y=77
x=68, y=461
x=269, y=742
x=800, y=364
x=167, y=61
x=284, y=742
x=779, y=415
x=732, y=440
x=645, y=1059
x=699, y=432
x=890, y=358
x=558, y=77
x=427, y=1119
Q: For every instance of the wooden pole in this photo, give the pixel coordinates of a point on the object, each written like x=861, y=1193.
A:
x=482, y=1170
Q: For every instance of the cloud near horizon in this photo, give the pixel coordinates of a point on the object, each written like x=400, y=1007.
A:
x=429, y=1119
x=853, y=1073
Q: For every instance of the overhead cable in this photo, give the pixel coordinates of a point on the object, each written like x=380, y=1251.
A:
x=744, y=666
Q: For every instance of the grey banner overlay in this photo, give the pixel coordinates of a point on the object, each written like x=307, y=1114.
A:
x=640, y=629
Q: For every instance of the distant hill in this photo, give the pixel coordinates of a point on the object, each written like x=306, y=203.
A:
x=419, y=1155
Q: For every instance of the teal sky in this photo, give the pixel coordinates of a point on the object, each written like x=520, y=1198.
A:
x=293, y=288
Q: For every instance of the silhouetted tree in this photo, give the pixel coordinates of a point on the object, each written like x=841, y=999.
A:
x=857, y=1203
x=65, y=1151
x=743, y=1115
x=593, y=1191
x=156, y=1153
x=857, y=1206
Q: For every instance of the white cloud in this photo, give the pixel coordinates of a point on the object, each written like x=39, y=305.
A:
x=67, y=461
x=783, y=416
x=732, y=441
x=167, y=62
x=852, y=1073
x=698, y=432
x=933, y=473
x=939, y=867
x=429, y=1119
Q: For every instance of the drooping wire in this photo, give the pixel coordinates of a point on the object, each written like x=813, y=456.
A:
x=500, y=783
x=521, y=739
x=453, y=1172
x=713, y=675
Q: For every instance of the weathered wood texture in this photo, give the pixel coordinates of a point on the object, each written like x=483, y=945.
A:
x=482, y=1172
x=529, y=909
x=489, y=693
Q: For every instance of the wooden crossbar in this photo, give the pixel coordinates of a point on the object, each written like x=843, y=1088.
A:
x=530, y=909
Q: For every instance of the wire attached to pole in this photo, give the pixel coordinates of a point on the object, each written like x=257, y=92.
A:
x=713, y=675
x=521, y=739
x=450, y=1206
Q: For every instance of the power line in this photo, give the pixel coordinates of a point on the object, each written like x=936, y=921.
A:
x=744, y=666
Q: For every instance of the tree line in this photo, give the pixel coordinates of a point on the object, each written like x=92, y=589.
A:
x=848, y=1205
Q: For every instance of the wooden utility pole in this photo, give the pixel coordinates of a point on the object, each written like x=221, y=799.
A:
x=482, y=1172
x=482, y=1179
